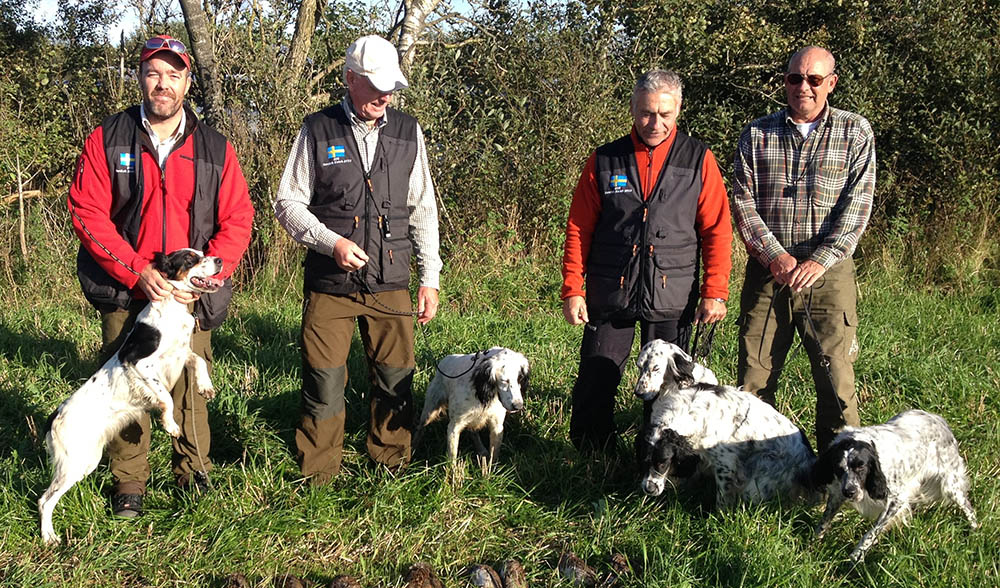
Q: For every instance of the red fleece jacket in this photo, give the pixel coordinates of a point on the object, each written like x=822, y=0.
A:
x=712, y=220
x=165, y=196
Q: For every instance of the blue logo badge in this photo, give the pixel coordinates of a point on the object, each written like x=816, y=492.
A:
x=618, y=182
x=126, y=161
x=335, y=152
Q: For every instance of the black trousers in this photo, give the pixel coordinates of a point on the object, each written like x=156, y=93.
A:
x=605, y=349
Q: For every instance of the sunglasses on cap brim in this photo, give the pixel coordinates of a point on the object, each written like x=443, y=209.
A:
x=172, y=44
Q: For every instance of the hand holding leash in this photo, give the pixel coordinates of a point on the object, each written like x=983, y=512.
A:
x=710, y=310
x=348, y=255
x=427, y=304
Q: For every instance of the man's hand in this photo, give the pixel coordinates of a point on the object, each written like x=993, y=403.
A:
x=805, y=275
x=782, y=268
x=575, y=310
x=349, y=256
x=153, y=284
x=427, y=304
x=709, y=311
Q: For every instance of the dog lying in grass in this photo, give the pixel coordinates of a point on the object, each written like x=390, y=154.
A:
x=476, y=390
x=137, y=378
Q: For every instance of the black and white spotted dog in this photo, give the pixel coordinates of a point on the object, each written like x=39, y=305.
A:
x=886, y=470
x=137, y=378
x=476, y=390
x=755, y=453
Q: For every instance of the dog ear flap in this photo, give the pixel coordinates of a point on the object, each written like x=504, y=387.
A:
x=161, y=262
x=523, y=376
x=875, y=483
x=482, y=382
x=683, y=369
x=822, y=471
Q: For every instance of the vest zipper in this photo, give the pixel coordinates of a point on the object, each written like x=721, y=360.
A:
x=163, y=205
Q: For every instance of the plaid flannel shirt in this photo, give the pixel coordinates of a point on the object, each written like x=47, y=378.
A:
x=811, y=197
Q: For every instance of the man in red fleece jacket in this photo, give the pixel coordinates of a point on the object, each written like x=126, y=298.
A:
x=649, y=208
x=154, y=178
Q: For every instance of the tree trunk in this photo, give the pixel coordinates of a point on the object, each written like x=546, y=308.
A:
x=414, y=17
x=203, y=51
x=305, y=27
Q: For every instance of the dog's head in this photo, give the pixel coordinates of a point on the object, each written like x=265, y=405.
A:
x=190, y=269
x=670, y=456
x=851, y=467
x=502, y=375
x=664, y=366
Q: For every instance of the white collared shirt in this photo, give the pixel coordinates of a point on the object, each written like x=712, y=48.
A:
x=163, y=147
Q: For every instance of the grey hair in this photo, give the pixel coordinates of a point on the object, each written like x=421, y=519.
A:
x=659, y=80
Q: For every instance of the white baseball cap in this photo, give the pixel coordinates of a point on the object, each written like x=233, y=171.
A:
x=376, y=59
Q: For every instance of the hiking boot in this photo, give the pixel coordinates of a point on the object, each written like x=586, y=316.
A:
x=126, y=506
x=195, y=484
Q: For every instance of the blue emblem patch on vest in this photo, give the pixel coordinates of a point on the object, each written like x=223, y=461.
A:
x=335, y=152
x=126, y=161
x=618, y=182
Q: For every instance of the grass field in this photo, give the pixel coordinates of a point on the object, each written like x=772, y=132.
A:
x=920, y=348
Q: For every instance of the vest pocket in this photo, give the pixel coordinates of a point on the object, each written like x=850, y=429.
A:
x=609, y=279
x=673, y=274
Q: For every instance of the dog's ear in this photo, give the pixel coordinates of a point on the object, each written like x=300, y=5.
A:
x=875, y=483
x=161, y=262
x=483, y=383
x=683, y=369
x=823, y=470
x=523, y=376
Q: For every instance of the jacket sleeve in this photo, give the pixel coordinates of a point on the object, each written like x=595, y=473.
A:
x=90, y=208
x=232, y=238
x=583, y=215
x=715, y=229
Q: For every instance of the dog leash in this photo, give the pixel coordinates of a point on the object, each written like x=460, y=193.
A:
x=701, y=348
x=824, y=360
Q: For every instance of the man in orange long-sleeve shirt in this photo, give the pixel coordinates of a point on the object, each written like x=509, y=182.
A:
x=649, y=208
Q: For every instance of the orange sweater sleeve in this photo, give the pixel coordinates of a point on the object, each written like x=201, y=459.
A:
x=583, y=214
x=715, y=228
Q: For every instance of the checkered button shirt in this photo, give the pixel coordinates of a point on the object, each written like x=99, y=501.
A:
x=810, y=197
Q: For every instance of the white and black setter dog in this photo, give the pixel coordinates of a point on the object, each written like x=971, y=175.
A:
x=137, y=378
x=476, y=390
x=754, y=452
x=887, y=470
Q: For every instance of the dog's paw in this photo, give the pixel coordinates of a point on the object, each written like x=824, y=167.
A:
x=50, y=538
x=172, y=428
x=207, y=392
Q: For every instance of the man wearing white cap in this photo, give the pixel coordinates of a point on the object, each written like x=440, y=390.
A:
x=357, y=192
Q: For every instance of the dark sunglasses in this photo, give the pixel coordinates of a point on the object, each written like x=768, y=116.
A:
x=794, y=79
x=172, y=44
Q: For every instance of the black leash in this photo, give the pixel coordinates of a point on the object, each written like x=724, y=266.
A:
x=824, y=359
x=702, y=348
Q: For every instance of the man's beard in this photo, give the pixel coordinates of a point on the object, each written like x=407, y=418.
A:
x=162, y=110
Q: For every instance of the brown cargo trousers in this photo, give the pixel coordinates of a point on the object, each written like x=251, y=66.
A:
x=770, y=314
x=128, y=451
x=387, y=336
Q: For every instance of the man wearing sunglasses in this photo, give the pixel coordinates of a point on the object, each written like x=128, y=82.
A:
x=155, y=178
x=649, y=209
x=357, y=192
x=802, y=196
